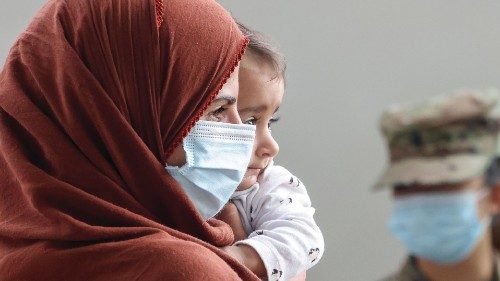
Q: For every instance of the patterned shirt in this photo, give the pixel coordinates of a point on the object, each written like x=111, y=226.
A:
x=278, y=218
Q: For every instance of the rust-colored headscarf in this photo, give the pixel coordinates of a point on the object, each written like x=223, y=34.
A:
x=94, y=96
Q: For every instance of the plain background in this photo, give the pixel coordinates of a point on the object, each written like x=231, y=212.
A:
x=347, y=60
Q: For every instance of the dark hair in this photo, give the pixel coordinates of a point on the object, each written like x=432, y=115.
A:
x=261, y=46
x=492, y=174
x=492, y=178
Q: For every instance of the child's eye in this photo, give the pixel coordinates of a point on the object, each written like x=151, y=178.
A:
x=251, y=121
x=272, y=121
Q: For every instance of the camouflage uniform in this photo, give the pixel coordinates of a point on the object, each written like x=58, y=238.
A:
x=410, y=272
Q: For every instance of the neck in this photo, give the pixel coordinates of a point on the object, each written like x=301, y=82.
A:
x=478, y=266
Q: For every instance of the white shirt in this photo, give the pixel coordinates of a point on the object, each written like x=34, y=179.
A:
x=278, y=218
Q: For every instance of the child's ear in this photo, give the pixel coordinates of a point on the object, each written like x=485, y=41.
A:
x=495, y=198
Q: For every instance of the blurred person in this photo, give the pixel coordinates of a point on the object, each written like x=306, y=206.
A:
x=445, y=177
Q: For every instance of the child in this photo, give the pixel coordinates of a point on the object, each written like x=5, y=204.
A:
x=276, y=214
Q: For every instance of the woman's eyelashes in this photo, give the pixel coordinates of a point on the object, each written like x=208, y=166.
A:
x=217, y=114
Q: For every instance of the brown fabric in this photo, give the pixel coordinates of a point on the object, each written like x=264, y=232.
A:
x=93, y=97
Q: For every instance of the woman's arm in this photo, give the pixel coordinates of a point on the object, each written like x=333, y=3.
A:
x=243, y=253
x=231, y=216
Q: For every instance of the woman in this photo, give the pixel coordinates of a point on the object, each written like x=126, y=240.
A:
x=95, y=96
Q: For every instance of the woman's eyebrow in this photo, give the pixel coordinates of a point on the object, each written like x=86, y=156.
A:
x=227, y=99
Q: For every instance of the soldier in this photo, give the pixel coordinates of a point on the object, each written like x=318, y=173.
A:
x=445, y=177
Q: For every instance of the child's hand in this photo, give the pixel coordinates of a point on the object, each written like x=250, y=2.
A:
x=231, y=216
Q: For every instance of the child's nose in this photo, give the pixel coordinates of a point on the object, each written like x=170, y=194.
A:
x=267, y=146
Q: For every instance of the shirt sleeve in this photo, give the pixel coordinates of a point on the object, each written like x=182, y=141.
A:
x=284, y=234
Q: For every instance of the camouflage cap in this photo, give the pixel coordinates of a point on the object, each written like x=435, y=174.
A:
x=447, y=139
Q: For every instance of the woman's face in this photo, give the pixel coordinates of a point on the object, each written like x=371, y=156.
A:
x=259, y=99
x=222, y=109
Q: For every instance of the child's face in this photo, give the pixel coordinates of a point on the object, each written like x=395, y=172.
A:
x=258, y=102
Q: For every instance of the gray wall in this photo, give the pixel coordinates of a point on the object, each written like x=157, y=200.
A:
x=346, y=61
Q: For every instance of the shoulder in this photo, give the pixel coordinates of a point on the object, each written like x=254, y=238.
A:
x=408, y=272
x=275, y=175
x=279, y=187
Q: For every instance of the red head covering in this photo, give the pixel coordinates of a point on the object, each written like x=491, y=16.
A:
x=94, y=96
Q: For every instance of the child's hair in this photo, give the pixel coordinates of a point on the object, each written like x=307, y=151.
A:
x=261, y=46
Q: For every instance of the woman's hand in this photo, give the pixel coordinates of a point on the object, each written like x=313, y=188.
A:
x=231, y=216
x=247, y=256
x=243, y=253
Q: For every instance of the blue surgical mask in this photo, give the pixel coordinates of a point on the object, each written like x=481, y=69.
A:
x=217, y=157
x=439, y=227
